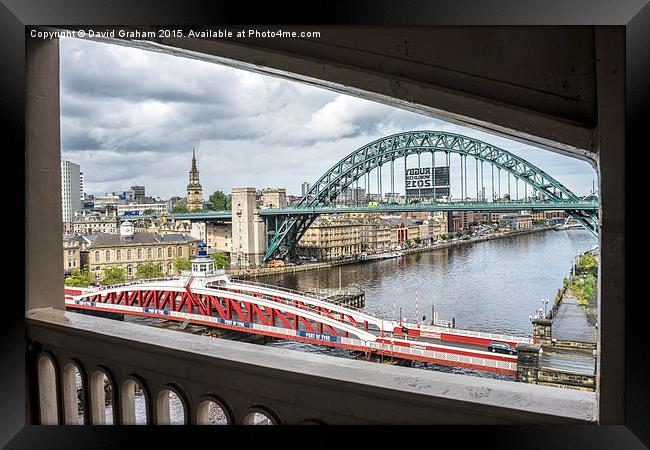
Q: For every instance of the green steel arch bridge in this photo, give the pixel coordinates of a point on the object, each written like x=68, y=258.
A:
x=285, y=226
x=290, y=224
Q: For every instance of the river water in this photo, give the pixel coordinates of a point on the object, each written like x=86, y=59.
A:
x=488, y=286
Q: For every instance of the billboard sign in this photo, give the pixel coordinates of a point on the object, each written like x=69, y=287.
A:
x=420, y=182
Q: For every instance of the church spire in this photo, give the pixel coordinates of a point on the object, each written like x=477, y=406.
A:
x=194, y=161
x=194, y=189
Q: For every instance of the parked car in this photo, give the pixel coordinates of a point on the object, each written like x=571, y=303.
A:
x=500, y=347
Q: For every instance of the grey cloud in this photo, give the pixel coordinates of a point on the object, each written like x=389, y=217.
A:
x=132, y=117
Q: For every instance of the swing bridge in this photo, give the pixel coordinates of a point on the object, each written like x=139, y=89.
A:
x=209, y=297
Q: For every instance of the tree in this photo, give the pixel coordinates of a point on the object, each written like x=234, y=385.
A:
x=148, y=212
x=113, y=275
x=588, y=263
x=221, y=259
x=79, y=278
x=218, y=201
x=149, y=270
x=180, y=208
x=181, y=264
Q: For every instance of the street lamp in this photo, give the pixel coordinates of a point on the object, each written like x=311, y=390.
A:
x=545, y=301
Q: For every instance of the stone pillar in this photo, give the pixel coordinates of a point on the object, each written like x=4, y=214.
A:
x=542, y=331
x=528, y=362
x=43, y=215
x=248, y=236
x=274, y=198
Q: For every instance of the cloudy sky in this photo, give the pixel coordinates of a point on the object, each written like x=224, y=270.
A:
x=132, y=117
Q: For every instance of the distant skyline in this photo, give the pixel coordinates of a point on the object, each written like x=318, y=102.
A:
x=132, y=117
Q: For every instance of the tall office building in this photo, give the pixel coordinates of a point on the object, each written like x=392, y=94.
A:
x=305, y=188
x=81, y=188
x=137, y=194
x=70, y=190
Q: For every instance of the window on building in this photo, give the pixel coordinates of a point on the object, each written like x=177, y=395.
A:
x=139, y=253
x=160, y=253
x=180, y=251
x=118, y=255
x=149, y=253
x=129, y=255
x=97, y=256
x=108, y=255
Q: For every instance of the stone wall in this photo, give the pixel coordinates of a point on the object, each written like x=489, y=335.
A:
x=560, y=378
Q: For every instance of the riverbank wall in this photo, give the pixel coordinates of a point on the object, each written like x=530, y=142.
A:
x=265, y=271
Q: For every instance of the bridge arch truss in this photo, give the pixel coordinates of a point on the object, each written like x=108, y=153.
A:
x=391, y=148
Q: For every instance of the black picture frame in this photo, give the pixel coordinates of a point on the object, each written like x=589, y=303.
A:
x=16, y=14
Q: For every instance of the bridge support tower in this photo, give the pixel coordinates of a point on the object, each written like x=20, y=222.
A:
x=248, y=234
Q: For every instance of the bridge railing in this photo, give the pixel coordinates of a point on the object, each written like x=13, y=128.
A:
x=477, y=334
x=295, y=292
x=200, y=369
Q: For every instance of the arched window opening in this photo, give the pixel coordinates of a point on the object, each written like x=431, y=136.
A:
x=47, y=398
x=73, y=395
x=101, y=398
x=134, y=404
x=170, y=409
x=259, y=416
x=211, y=412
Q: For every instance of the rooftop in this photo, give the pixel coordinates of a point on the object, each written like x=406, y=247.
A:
x=108, y=239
